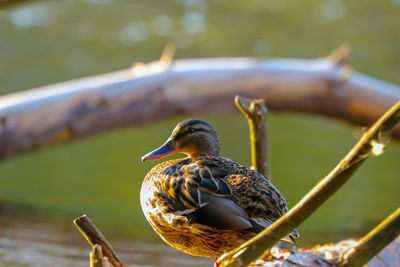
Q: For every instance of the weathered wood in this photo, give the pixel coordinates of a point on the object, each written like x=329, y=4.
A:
x=256, y=246
x=374, y=241
x=327, y=255
x=149, y=92
x=97, y=258
x=95, y=237
x=256, y=113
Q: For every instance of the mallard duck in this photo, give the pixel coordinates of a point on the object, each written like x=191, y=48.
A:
x=205, y=205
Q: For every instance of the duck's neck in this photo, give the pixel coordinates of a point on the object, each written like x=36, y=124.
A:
x=204, y=153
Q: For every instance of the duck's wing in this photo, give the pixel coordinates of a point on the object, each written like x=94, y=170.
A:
x=220, y=213
x=205, y=198
x=237, y=197
x=249, y=189
x=225, y=195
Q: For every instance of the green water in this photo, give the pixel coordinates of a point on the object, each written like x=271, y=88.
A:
x=51, y=41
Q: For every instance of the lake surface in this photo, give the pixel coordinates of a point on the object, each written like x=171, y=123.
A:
x=40, y=243
x=44, y=42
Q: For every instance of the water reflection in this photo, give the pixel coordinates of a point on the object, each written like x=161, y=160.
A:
x=97, y=2
x=134, y=33
x=44, y=244
x=274, y=5
x=261, y=48
x=182, y=41
x=35, y=16
x=331, y=10
x=162, y=25
x=195, y=6
x=87, y=30
x=194, y=22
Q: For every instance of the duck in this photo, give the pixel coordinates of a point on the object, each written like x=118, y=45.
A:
x=203, y=204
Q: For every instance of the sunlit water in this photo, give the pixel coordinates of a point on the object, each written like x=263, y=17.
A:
x=44, y=244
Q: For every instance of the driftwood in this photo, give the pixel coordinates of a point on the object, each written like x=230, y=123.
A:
x=158, y=90
x=326, y=255
x=102, y=253
x=97, y=258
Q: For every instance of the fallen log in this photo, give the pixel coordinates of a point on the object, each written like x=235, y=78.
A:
x=326, y=255
x=158, y=90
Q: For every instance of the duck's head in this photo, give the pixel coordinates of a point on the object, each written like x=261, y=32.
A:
x=193, y=137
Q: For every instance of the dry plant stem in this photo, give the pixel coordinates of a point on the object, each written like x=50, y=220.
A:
x=255, y=247
x=95, y=237
x=97, y=258
x=158, y=90
x=374, y=241
x=256, y=114
x=168, y=53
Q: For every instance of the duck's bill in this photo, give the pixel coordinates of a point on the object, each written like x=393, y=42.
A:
x=166, y=149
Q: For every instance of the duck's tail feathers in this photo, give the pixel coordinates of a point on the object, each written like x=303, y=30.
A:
x=259, y=224
x=291, y=237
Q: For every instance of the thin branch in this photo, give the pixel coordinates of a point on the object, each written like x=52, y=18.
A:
x=256, y=113
x=374, y=241
x=255, y=247
x=97, y=258
x=340, y=55
x=95, y=237
x=168, y=54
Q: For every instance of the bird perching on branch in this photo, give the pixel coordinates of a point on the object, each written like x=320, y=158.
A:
x=205, y=205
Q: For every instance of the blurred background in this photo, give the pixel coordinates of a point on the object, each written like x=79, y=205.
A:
x=44, y=42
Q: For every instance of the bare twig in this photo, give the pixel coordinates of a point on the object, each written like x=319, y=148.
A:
x=374, y=241
x=340, y=55
x=373, y=138
x=95, y=237
x=97, y=258
x=256, y=114
x=168, y=53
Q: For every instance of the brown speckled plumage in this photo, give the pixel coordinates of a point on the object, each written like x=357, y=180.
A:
x=206, y=205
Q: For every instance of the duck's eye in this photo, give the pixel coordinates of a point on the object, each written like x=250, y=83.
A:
x=191, y=130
